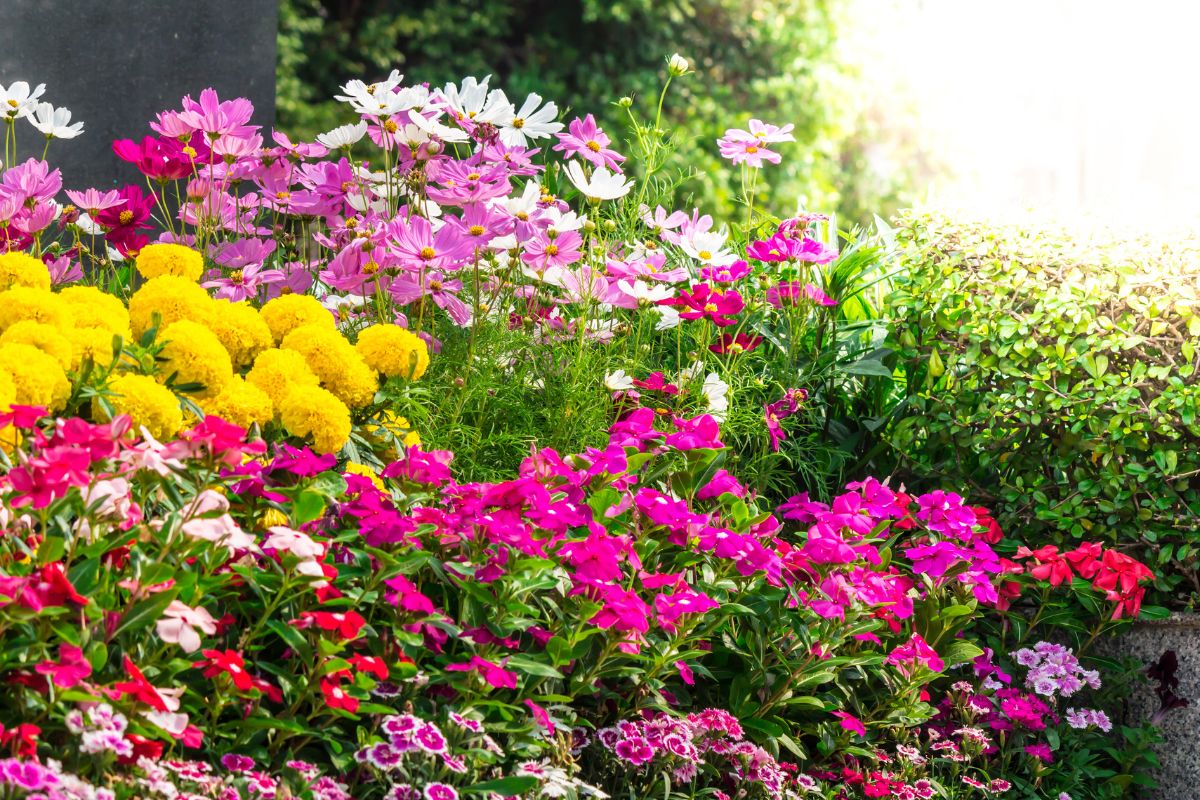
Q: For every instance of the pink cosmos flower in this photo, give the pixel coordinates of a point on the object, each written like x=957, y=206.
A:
x=245, y=259
x=217, y=118
x=790, y=293
x=747, y=151
x=724, y=273
x=584, y=138
x=704, y=301
x=405, y=289
x=542, y=252
x=418, y=247
x=179, y=623
x=93, y=201
x=781, y=248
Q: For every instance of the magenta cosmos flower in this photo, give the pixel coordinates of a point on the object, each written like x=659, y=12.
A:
x=542, y=252
x=584, y=138
x=406, y=289
x=704, y=301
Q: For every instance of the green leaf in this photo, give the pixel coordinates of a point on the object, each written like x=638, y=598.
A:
x=146, y=612
x=507, y=787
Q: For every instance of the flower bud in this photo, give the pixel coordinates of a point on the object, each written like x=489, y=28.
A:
x=678, y=65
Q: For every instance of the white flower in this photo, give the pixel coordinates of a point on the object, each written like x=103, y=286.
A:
x=561, y=222
x=343, y=135
x=530, y=123
x=376, y=99
x=668, y=318
x=678, y=65
x=434, y=128
x=473, y=101
x=618, y=381
x=644, y=292
x=716, y=392
x=603, y=185
x=18, y=101
x=55, y=122
x=708, y=247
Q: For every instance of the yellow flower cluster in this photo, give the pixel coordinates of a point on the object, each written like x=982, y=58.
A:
x=284, y=364
x=394, y=351
x=156, y=260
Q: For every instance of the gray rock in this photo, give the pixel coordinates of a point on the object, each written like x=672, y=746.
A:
x=1180, y=750
x=116, y=65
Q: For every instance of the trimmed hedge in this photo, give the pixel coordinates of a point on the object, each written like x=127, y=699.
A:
x=1060, y=378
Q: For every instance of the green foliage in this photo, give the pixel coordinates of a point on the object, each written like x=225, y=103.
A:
x=775, y=61
x=1060, y=381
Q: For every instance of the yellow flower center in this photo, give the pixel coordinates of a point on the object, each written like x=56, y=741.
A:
x=523, y=216
x=370, y=268
x=735, y=348
x=125, y=217
x=518, y=123
x=710, y=307
x=474, y=176
x=189, y=151
x=476, y=230
x=705, y=255
x=282, y=195
x=390, y=126
x=752, y=149
x=427, y=253
x=237, y=276
x=13, y=103
x=436, y=285
x=593, y=146
x=551, y=249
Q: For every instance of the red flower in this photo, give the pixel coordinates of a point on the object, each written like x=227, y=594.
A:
x=372, y=665
x=160, y=159
x=991, y=529
x=336, y=697
x=230, y=662
x=141, y=747
x=23, y=738
x=347, y=625
x=1118, y=577
x=139, y=688
x=124, y=221
x=267, y=688
x=1086, y=559
x=1050, y=567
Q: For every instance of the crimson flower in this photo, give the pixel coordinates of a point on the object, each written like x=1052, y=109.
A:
x=335, y=695
x=124, y=221
x=347, y=625
x=229, y=662
x=139, y=688
x=735, y=344
x=703, y=300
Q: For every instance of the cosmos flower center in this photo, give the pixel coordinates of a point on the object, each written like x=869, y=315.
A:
x=518, y=123
x=237, y=276
x=551, y=249
x=125, y=217
x=710, y=307
x=435, y=285
x=594, y=146
x=390, y=126
x=705, y=254
x=370, y=268
x=736, y=348
x=752, y=149
x=476, y=230
x=427, y=253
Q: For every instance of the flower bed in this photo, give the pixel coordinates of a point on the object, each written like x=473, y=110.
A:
x=240, y=559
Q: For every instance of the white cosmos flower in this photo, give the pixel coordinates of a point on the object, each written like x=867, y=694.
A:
x=530, y=122
x=435, y=128
x=343, y=135
x=668, y=318
x=716, y=392
x=618, y=381
x=55, y=123
x=18, y=100
x=565, y=221
x=375, y=99
x=642, y=291
x=708, y=247
x=473, y=101
x=602, y=185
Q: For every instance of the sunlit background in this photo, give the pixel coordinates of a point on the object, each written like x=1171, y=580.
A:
x=1082, y=112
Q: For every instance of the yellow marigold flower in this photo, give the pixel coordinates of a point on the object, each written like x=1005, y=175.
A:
x=241, y=403
x=194, y=354
x=336, y=362
x=42, y=336
x=93, y=308
x=93, y=343
x=38, y=305
x=38, y=379
x=290, y=311
x=8, y=391
x=312, y=411
x=394, y=351
x=277, y=371
x=22, y=269
x=397, y=426
x=147, y=403
x=156, y=260
x=240, y=329
x=170, y=297
x=271, y=518
x=354, y=468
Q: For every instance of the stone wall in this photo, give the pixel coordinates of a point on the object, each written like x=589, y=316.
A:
x=115, y=65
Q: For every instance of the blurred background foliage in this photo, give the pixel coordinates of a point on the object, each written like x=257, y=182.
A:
x=776, y=59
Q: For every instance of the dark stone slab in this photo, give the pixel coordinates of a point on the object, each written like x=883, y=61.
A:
x=115, y=65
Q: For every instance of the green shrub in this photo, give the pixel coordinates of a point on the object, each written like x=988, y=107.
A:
x=1059, y=379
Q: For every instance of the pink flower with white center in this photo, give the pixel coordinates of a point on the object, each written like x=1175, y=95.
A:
x=430, y=739
x=285, y=540
x=406, y=289
x=584, y=138
x=179, y=623
x=542, y=252
x=636, y=751
x=93, y=201
x=440, y=791
x=218, y=529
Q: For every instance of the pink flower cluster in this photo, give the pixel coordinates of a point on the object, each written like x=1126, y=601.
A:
x=1054, y=670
